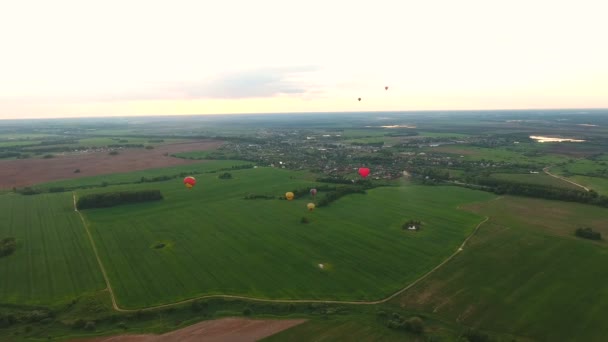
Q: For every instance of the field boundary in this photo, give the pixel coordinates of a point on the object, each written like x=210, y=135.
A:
x=103, y=270
x=286, y=301
x=546, y=170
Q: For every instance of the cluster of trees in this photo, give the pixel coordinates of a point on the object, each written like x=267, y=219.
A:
x=126, y=145
x=111, y=199
x=588, y=233
x=36, y=316
x=396, y=321
x=336, y=180
x=225, y=175
x=306, y=191
x=9, y=154
x=28, y=191
x=338, y=193
x=7, y=246
x=254, y=196
x=238, y=167
x=472, y=335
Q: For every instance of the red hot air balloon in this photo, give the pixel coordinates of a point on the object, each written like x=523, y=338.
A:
x=363, y=172
x=189, y=182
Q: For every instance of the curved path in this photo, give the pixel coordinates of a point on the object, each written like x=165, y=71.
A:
x=380, y=301
x=546, y=170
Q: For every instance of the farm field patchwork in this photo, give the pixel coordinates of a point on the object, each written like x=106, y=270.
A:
x=54, y=261
x=215, y=242
x=524, y=271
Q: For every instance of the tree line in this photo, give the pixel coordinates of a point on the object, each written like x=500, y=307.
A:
x=110, y=199
x=501, y=187
x=588, y=233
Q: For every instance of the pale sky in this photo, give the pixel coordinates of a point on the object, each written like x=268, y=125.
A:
x=66, y=58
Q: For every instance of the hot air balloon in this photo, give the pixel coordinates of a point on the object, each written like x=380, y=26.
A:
x=189, y=182
x=313, y=192
x=310, y=206
x=364, y=172
x=359, y=99
x=289, y=195
x=386, y=88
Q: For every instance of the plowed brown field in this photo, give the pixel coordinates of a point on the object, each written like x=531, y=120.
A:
x=26, y=172
x=225, y=329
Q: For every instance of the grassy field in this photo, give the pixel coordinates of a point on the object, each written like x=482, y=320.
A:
x=219, y=243
x=54, y=261
x=539, y=178
x=598, y=184
x=524, y=272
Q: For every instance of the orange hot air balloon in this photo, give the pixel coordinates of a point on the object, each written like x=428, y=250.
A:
x=363, y=172
x=289, y=195
x=310, y=206
x=189, y=182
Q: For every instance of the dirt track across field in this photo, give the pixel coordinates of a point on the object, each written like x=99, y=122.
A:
x=225, y=329
x=26, y=172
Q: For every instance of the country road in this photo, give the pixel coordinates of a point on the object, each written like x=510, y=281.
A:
x=546, y=170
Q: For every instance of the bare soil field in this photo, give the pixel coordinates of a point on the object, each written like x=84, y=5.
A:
x=225, y=329
x=26, y=172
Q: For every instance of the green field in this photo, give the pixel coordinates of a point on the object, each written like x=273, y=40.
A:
x=525, y=273
x=595, y=183
x=539, y=179
x=54, y=261
x=219, y=243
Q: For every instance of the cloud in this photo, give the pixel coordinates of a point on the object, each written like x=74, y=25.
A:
x=254, y=83
x=267, y=82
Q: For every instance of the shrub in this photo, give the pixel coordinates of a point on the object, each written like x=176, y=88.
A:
x=414, y=325
x=89, y=326
x=247, y=312
x=7, y=246
x=304, y=220
x=77, y=171
x=113, y=153
x=78, y=324
x=588, y=233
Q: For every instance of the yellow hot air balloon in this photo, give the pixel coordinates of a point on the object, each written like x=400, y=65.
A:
x=289, y=195
x=310, y=206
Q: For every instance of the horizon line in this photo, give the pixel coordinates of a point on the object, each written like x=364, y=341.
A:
x=287, y=113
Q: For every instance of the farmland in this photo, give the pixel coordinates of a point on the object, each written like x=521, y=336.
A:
x=211, y=251
x=523, y=275
x=53, y=261
x=524, y=271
